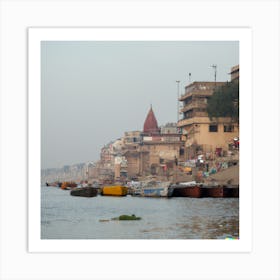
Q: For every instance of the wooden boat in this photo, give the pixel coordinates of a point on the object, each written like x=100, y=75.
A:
x=84, y=191
x=114, y=190
x=54, y=184
x=232, y=190
x=186, y=189
x=136, y=191
x=135, y=188
x=214, y=191
x=156, y=189
x=68, y=185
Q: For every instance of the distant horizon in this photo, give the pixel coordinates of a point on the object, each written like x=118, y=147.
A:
x=92, y=92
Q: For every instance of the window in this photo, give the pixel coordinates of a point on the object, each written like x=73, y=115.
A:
x=228, y=128
x=213, y=128
x=182, y=151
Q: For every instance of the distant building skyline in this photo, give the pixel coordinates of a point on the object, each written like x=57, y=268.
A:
x=92, y=92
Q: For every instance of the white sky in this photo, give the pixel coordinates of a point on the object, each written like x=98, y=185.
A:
x=92, y=92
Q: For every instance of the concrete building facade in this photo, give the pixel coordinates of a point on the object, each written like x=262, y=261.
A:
x=199, y=132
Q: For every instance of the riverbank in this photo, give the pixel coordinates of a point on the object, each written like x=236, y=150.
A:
x=226, y=176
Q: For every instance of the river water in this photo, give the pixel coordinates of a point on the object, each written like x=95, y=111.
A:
x=68, y=217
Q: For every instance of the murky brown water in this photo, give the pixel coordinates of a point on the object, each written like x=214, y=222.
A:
x=67, y=217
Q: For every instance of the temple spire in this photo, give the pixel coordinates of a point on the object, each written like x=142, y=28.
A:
x=150, y=124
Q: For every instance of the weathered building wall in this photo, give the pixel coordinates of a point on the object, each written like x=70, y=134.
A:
x=133, y=164
x=200, y=135
x=160, y=153
x=149, y=157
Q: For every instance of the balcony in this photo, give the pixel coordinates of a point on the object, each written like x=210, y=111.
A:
x=196, y=92
x=194, y=120
x=194, y=105
x=203, y=119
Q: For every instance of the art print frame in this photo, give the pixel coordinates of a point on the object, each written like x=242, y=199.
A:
x=36, y=35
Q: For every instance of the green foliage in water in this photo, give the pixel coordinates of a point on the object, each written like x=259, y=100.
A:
x=127, y=218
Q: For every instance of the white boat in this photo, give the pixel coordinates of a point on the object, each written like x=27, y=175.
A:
x=156, y=189
x=135, y=188
x=184, y=184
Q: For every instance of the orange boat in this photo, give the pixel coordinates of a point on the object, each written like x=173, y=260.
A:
x=68, y=185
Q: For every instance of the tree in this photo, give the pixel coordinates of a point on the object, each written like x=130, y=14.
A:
x=225, y=102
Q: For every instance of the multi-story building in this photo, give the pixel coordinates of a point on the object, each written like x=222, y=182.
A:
x=106, y=155
x=199, y=132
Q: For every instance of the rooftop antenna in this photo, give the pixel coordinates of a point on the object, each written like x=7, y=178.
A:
x=190, y=76
x=214, y=66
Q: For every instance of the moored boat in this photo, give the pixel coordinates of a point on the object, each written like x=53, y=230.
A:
x=117, y=190
x=54, y=184
x=68, y=185
x=214, y=191
x=156, y=189
x=84, y=191
x=232, y=190
x=187, y=189
x=134, y=188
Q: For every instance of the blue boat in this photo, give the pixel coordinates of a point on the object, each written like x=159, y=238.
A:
x=156, y=189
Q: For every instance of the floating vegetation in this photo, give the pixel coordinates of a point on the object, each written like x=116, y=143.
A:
x=122, y=218
x=128, y=218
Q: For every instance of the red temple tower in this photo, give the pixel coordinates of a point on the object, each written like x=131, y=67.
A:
x=150, y=124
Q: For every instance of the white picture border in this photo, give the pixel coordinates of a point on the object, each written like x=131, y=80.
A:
x=242, y=35
x=262, y=262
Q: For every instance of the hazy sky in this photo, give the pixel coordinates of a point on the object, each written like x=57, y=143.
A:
x=92, y=92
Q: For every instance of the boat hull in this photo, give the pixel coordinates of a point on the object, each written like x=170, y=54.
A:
x=157, y=192
x=114, y=190
x=156, y=189
x=215, y=191
x=52, y=184
x=189, y=191
x=233, y=191
x=85, y=192
x=68, y=185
